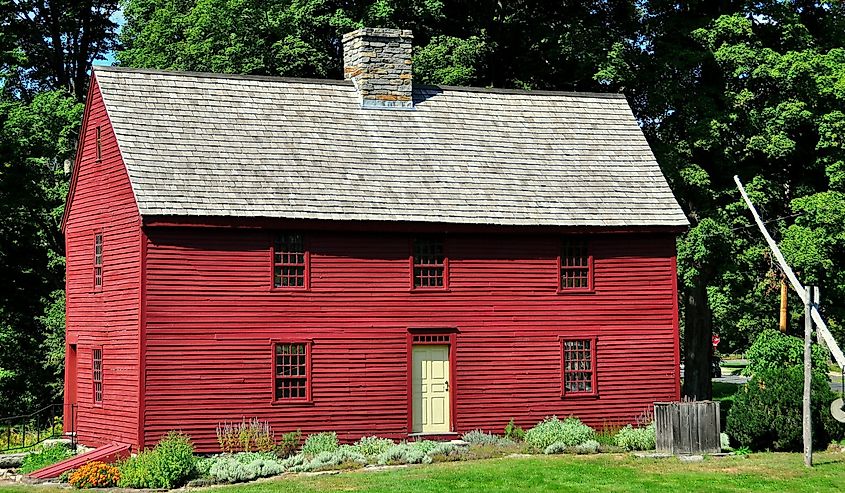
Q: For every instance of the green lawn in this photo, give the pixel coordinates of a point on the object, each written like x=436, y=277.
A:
x=589, y=474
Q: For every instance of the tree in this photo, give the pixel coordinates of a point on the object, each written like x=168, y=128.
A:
x=53, y=43
x=46, y=48
x=766, y=106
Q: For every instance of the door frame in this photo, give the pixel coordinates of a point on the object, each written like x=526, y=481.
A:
x=437, y=336
x=71, y=390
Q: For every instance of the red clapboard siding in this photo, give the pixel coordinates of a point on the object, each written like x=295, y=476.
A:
x=210, y=317
x=101, y=200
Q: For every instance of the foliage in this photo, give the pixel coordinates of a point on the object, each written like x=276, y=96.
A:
x=478, y=437
x=767, y=411
x=513, y=432
x=95, y=475
x=288, y=444
x=772, y=350
x=630, y=438
x=65, y=476
x=325, y=441
x=588, y=447
x=246, y=436
x=373, y=446
x=244, y=466
x=45, y=457
x=168, y=465
x=340, y=458
x=569, y=432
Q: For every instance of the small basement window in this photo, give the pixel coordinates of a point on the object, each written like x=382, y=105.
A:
x=576, y=266
x=429, y=263
x=290, y=261
x=98, y=261
x=97, y=374
x=292, y=371
x=579, y=366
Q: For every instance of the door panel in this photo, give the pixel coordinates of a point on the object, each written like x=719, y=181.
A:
x=69, y=423
x=430, y=382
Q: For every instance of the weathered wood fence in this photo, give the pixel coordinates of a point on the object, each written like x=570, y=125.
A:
x=686, y=428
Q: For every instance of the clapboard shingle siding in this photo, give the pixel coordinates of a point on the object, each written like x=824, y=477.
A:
x=262, y=147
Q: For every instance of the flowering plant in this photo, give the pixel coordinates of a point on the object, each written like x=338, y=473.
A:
x=95, y=475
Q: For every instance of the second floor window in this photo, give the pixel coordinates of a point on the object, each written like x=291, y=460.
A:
x=98, y=261
x=289, y=261
x=429, y=263
x=575, y=266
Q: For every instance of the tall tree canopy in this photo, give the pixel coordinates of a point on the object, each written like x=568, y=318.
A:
x=46, y=48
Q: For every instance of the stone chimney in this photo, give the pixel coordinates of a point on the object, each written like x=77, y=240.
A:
x=378, y=61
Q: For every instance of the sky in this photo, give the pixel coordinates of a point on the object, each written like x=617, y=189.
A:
x=118, y=19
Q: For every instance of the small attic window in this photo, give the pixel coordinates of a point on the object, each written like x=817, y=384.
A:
x=99, y=144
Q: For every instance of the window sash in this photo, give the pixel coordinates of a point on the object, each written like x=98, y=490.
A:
x=290, y=262
x=575, y=266
x=429, y=263
x=578, y=364
x=98, y=261
x=97, y=374
x=291, y=371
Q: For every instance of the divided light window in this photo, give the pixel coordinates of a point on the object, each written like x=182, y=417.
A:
x=289, y=261
x=97, y=374
x=576, y=265
x=292, y=371
x=429, y=263
x=579, y=366
x=98, y=261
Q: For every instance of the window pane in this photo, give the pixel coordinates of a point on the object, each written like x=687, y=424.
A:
x=578, y=369
x=291, y=371
x=288, y=261
x=574, y=265
x=429, y=263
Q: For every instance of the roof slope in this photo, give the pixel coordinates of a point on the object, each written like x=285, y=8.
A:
x=216, y=145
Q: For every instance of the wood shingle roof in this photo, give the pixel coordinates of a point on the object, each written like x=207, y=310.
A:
x=265, y=147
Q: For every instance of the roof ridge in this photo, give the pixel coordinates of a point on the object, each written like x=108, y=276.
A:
x=348, y=83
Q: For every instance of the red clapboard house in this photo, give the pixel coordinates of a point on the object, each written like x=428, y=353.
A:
x=364, y=256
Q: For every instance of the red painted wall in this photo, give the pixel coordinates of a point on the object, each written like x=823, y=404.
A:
x=210, y=315
x=101, y=199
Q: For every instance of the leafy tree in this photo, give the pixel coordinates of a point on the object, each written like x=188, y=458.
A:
x=747, y=88
x=46, y=48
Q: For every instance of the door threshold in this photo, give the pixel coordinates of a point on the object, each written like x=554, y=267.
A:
x=435, y=434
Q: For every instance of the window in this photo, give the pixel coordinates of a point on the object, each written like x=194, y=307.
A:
x=97, y=374
x=575, y=266
x=429, y=263
x=99, y=145
x=289, y=261
x=292, y=371
x=579, y=366
x=98, y=261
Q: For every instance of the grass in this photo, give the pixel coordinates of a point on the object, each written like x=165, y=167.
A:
x=589, y=474
x=724, y=393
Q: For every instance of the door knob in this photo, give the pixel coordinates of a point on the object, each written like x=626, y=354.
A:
x=447, y=386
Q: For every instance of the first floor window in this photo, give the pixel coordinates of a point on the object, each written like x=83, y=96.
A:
x=291, y=371
x=579, y=366
x=575, y=265
x=97, y=374
x=429, y=263
x=289, y=261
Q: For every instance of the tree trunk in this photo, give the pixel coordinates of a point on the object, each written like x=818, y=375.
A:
x=698, y=346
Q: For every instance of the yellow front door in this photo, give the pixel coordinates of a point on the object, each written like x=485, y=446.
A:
x=431, y=389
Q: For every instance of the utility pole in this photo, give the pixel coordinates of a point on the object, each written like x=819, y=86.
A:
x=807, y=427
x=783, y=310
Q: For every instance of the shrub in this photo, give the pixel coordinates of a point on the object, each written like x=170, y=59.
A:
x=346, y=457
x=47, y=456
x=95, y=475
x=244, y=467
x=555, y=448
x=773, y=350
x=246, y=436
x=766, y=414
x=325, y=441
x=373, y=446
x=570, y=432
x=630, y=438
x=588, y=447
x=288, y=445
x=478, y=437
x=168, y=465
x=65, y=476
x=514, y=433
